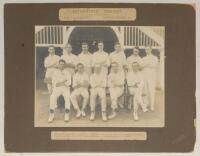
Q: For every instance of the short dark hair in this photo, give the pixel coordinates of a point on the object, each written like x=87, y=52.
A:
x=135, y=62
x=84, y=43
x=61, y=60
x=100, y=42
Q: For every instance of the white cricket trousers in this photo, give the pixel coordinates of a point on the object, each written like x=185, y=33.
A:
x=58, y=91
x=79, y=92
x=150, y=85
x=115, y=93
x=48, y=75
x=101, y=92
x=137, y=98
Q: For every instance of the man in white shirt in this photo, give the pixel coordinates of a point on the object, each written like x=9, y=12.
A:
x=133, y=58
x=118, y=56
x=61, y=81
x=149, y=64
x=135, y=87
x=50, y=63
x=85, y=57
x=116, y=80
x=70, y=59
x=80, y=85
x=102, y=58
x=98, y=82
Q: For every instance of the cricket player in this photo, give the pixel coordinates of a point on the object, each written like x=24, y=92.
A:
x=61, y=81
x=135, y=84
x=116, y=81
x=80, y=85
x=118, y=56
x=70, y=59
x=102, y=58
x=85, y=57
x=148, y=65
x=133, y=58
x=50, y=63
x=98, y=82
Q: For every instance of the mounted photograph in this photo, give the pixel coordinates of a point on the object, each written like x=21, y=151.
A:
x=99, y=76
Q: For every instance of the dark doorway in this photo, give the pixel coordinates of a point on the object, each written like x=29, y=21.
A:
x=92, y=35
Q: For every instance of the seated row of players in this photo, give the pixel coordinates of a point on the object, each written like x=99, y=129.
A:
x=99, y=79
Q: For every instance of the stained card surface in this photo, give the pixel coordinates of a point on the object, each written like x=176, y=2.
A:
x=120, y=77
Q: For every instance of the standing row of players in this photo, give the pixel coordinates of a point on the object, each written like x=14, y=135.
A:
x=93, y=73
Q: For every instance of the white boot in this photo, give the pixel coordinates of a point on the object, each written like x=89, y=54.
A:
x=112, y=115
x=104, y=118
x=51, y=117
x=66, y=117
x=92, y=116
x=145, y=110
x=83, y=113
x=78, y=113
x=135, y=116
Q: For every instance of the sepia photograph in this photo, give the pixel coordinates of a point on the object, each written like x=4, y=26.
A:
x=120, y=77
x=99, y=76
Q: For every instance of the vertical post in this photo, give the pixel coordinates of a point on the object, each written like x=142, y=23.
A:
x=57, y=29
x=40, y=36
x=43, y=34
x=137, y=37
x=51, y=35
x=122, y=35
x=133, y=40
x=129, y=35
x=61, y=34
x=64, y=35
x=54, y=35
x=47, y=31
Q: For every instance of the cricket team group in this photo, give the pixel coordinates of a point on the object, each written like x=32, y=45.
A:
x=90, y=76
